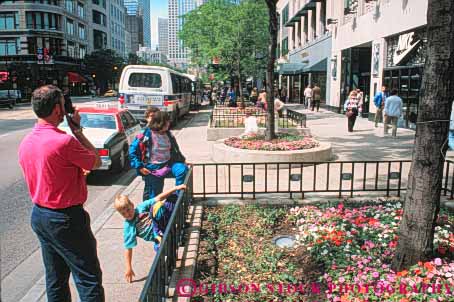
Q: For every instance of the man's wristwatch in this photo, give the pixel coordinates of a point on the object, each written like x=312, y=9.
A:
x=78, y=131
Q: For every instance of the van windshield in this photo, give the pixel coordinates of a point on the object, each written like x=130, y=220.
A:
x=146, y=80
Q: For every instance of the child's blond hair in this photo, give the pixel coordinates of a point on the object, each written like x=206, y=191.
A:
x=121, y=202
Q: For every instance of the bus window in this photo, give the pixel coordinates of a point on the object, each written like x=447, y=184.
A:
x=147, y=80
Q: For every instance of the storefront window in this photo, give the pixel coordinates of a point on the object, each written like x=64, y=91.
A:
x=9, y=46
x=9, y=20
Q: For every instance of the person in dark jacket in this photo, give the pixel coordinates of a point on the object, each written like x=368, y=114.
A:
x=155, y=154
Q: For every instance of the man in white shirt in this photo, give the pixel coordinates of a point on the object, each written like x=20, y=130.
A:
x=392, y=112
x=307, y=96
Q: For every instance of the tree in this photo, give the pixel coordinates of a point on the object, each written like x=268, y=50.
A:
x=232, y=33
x=101, y=63
x=270, y=128
x=422, y=202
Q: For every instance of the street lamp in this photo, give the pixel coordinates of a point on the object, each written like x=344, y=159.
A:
x=115, y=68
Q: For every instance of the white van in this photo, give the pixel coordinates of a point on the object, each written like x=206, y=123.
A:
x=142, y=86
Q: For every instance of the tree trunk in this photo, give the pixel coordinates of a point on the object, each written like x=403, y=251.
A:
x=422, y=202
x=270, y=128
x=239, y=85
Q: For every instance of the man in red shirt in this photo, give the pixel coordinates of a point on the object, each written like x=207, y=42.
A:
x=54, y=165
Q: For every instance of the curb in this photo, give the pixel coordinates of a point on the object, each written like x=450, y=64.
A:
x=38, y=290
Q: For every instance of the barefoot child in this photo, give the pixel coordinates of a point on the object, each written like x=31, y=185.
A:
x=147, y=221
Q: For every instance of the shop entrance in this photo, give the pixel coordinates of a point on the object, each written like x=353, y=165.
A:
x=407, y=81
x=356, y=65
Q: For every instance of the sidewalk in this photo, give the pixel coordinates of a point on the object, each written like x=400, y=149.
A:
x=365, y=143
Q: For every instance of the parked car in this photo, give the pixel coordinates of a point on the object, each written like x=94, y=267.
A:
x=111, y=93
x=110, y=130
x=7, y=98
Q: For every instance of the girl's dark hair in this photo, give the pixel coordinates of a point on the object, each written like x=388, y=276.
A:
x=160, y=120
x=44, y=100
x=151, y=110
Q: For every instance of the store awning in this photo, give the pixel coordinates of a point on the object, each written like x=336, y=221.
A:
x=74, y=77
x=291, y=68
x=317, y=67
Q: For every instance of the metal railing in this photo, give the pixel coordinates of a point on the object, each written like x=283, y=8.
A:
x=225, y=117
x=340, y=177
x=158, y=280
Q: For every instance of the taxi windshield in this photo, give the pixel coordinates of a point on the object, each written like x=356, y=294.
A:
x=92, y=120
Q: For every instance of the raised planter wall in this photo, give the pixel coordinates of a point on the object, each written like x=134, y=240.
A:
x=226, y=154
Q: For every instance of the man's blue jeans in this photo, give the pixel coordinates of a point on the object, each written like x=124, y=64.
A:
x=154, y=184
x=68, y=246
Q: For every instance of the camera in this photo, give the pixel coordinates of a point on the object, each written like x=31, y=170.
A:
x=69, y=108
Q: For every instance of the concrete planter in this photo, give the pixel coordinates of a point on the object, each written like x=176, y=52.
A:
x=226, y=154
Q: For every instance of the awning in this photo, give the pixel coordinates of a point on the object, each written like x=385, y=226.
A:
x=291, y=68
x=317, y=67
x=74, y=77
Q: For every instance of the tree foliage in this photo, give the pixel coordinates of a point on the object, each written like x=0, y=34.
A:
x=234, y=34
x=101, y=63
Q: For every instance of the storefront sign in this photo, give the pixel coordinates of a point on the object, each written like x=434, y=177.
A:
x=376, y=60
x=406, y=44
x=44, y=56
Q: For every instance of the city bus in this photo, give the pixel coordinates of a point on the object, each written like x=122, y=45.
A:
x=142, y=86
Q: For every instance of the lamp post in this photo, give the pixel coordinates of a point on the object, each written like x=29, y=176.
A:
x=114, y=75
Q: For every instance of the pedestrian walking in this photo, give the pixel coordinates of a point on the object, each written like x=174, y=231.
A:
x=261, y=101
x=451, y=129
x=392, y=112
x=360, y=98
x=316, y=95
x=232, y=97
x=155, y=154
x=214, y=96
x=254, y=96
x=307, y=96
x=379, y=101
x=351, y=110
x=55, y=165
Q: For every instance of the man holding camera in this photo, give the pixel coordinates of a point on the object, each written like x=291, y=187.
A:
x=55, y=166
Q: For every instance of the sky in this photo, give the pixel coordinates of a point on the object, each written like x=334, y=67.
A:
x=158, y=8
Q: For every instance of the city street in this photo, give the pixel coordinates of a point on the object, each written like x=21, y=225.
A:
x=21, y=264
x=18, y=239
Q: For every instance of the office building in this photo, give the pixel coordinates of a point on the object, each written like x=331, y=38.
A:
x=151, y=56
x=163, y=35
x=134, y=25
x=117, y=22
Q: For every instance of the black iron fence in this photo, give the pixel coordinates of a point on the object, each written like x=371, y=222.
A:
x=225, y=117
x=158, y=280
x=251, y=179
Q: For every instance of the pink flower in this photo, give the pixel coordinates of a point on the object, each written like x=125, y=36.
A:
x=341, y=280
x=437, y=261
x=375, y=274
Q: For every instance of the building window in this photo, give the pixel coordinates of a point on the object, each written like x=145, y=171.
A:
x=82, y=51
x=80, y=10
x=9, y=46
x=39, y=20
x=69, y=27
x=285, y=15
x=99, y=39
x=100, y=3
x=99, y=18
x=9, y=20
x=70, y=49
x=69, y=5
x=285, y=46
x=82, y=34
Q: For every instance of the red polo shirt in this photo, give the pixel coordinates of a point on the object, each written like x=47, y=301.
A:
x=52, y=163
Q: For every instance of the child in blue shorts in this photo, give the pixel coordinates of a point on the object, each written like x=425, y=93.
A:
x=147, y=221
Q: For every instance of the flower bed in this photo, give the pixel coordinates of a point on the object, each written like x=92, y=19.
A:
x=356, y=247
x=284, y=142
x=343, y=253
